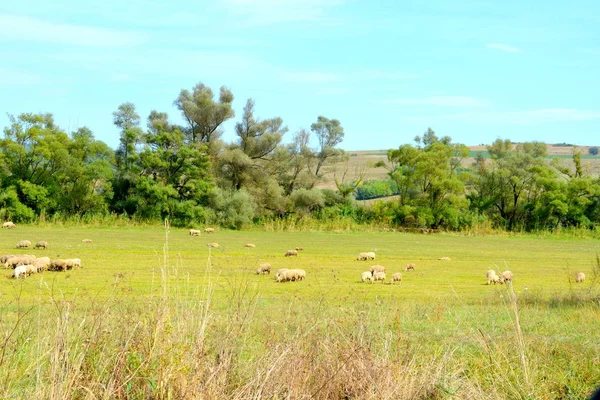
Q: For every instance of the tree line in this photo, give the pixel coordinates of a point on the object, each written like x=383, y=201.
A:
x=188, y=174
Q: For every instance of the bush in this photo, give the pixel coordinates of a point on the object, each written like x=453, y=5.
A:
x=234, y=209
x=306, y=201
x=12, y=209
x=593, y=151
x=373, y=188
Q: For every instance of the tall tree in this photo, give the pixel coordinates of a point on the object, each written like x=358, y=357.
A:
x=258, y=138
x=203, y=114
x=329, y=134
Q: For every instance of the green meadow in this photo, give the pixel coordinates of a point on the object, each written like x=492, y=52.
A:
x=156, y=313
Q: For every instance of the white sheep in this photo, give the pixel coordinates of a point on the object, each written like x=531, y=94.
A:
x=397, y=277
x=20, y=260
x=264, y=269
x=377, y=268
x=580, y=277
x=251, y=245
x=31, y=269
x=24, y=243
x=444, y=258
x=409, y=266
x=364, y=256
x=506, y=276
x=367, y=276
x=299, y=274
x=21, y=270
x=194, y=232
x=86, y=241
x=41, y=245
x=42, y=263
x=291, y=253
x=4, y=258
x=209, y=230
x=8, y=225
x=60, y=265
x=282, y=275
x=492, y=277
x=300, y=248
x=215, y=245
x=379, y=276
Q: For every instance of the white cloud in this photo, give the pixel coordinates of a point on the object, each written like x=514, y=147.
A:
x=443, y=101
x=17, y=28
x=277, y=11
x=503, y=47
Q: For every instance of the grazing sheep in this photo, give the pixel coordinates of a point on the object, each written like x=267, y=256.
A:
x=4, y=259
x=8, y=225
x=291, y=253
x=376, y=268
x=299, y=274
x=282, y=275
x=580, y=277
x=379, y=276
x=73, y=263
x=249, y=245
x=287, y=275
x=397, y=277
x=30, y=269
x=41, y=245
x=21, y=270
x=209, y=230
x=299, y=248
x=213, y=245
x=366, y=276
x=492, y=277
x=364, y=256
x=60, y=265
x=86, y=241
x=194, y=232
x=264, y=269
x=20, y=260
x=506, y=276
x=444, y=258
x=409, y=266
x=42, y=263
x=24, y=243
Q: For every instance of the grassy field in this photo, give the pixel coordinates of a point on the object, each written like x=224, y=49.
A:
x=155, y=314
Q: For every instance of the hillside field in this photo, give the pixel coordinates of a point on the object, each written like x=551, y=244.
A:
x=364, y=159
x=154, y=314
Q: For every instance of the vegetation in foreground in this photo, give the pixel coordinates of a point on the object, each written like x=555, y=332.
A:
x=155, y=314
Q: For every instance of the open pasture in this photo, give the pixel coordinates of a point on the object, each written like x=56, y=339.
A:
x=440, y=333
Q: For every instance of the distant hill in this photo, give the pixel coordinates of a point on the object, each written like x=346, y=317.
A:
x=361, y=159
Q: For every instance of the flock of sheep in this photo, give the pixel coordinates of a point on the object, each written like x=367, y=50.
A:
x=376, y=273
x=27, y=264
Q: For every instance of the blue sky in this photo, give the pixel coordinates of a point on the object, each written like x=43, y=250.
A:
x=388, y=70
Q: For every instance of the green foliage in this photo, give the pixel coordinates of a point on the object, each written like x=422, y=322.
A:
x=306, y=201
x=234, y=209
x=12, y=209
x=374, y=188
